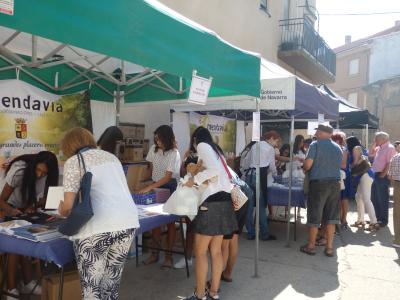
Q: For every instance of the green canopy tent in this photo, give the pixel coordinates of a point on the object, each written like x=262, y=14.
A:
x=123, y=48
x=143, y=32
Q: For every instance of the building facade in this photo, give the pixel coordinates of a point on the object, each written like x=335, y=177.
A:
x=383, y=89
x=366, y=75
x=281, y=31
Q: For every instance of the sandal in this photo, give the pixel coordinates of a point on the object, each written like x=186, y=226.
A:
x=307, y=250
x=373, y=227
x=209, y=287
x=358, y=224
x=152, y=259
x=329, y=252
x=321, y=241
x=226, y=279
x=168, y=262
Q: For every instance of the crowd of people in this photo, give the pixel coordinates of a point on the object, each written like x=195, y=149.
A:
x=102, y=245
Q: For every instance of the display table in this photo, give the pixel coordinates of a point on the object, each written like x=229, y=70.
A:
x=279, y=196
x=152, y=216
x=60, y=251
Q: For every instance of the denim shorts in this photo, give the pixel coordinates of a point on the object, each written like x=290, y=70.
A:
x=323, y=204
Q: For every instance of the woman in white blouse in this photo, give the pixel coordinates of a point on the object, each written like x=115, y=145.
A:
x=165, y=163
x=216, y=217
x=101, y=245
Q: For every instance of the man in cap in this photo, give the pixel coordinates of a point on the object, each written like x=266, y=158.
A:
x=323, y=163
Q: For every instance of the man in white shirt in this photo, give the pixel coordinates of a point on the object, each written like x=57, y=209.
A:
x=267, y=164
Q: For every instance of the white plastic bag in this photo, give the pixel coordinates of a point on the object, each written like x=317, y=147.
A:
x=183, y=202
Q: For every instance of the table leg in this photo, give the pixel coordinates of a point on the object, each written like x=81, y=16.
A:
x=4, y=274
x=184, y=247
x=295, y=223
x=137, y=250
x=60, y=290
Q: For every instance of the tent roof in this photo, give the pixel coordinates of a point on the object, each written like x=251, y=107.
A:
x=351, y=116
x=143, y=32
x=309, y=99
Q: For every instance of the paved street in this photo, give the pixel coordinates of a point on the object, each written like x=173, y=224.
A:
x=366, y=267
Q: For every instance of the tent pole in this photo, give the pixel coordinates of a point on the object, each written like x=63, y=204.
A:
x=257, y=226
x=290, y=182
x=118, y=104
x=34, y=49
x=366, y=136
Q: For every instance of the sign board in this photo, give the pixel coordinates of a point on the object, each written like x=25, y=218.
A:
x=256, y=127
x=321, y=118
x=7, y=7
x=199, y=89
x=32, y=120
x=278, y=94
x=223, y=130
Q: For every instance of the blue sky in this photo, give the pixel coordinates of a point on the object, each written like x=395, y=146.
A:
x=334, y=28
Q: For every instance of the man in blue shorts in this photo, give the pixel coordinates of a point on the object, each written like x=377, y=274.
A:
x=323, y=163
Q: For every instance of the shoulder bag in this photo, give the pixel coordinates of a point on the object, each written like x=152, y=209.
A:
x=82, y=210
x=361, y=168
x=238, y=197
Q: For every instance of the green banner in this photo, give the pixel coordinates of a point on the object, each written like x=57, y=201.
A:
x=32, y=120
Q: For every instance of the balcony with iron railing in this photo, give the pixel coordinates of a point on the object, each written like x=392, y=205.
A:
x=304, y=49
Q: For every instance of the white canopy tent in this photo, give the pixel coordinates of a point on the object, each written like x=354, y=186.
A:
x=284, y=97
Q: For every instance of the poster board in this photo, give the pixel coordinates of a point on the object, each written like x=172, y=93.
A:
x=33, y=120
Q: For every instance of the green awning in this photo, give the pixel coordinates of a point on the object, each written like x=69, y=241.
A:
x=144, y=32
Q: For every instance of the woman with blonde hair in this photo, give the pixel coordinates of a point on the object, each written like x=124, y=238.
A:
x=101, y=245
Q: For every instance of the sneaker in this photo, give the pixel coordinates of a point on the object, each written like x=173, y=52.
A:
x=215, y=297
x=13, y=292
x=396, y=245
x=194, y=297
x=181, y=263
x=27, y=288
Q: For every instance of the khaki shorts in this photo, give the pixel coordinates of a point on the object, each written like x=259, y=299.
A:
x=323, y=204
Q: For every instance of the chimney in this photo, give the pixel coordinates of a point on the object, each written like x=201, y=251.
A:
x=397, y=23
x=347, y=39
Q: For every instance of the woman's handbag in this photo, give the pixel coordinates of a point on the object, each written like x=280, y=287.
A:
x=82, y=210
x=361, y=168
x=238, y=197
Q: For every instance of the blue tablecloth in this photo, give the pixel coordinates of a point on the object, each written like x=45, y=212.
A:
x=60, y=251
x=279, y=196
x=147, y=224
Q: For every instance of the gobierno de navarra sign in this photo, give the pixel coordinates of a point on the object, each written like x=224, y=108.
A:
x=278, y=94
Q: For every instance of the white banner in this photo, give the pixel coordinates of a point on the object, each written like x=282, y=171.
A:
x=278, y=94
x=199, y=89
x=256, y=127
x=103, y=115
